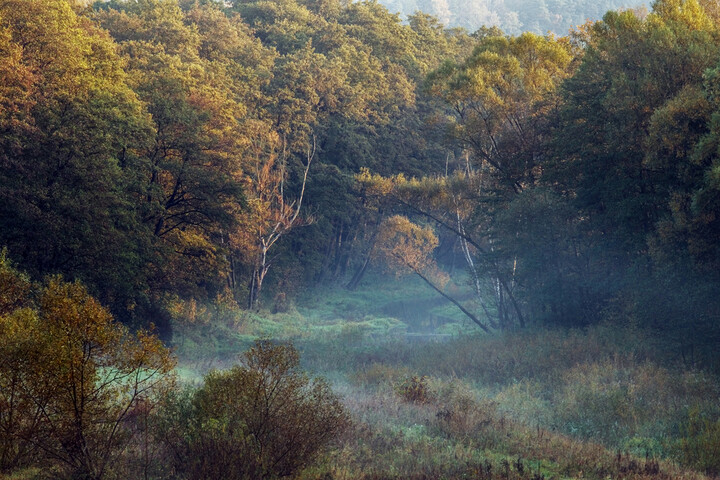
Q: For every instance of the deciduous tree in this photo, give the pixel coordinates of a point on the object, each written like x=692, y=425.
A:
x=70, y=376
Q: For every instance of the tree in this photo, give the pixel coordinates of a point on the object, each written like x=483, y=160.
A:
x=272, y=215
x=19, y=335
x=458, y=204
x=631, y=116
x=501, y=96
x=286, y=25
x=188, y=179
x=403, y=247
x=67, y=116
x=499, y=99
x=539, y=228
x=70, y=378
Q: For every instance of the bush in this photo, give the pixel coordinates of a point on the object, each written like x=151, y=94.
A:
x=379, y=374
x=261, y=419
x=415, y=389
x=700, y=445
x=462, y=415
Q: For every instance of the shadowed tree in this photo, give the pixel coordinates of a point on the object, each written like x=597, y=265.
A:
x=68, y=117
x=261, y=419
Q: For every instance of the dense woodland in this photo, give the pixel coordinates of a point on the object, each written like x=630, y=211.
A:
x=162, y=152
x=168, y=153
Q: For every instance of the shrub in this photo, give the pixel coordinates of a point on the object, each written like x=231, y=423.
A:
x=379, y=374
x=414, y=389
x=261, y=419
x=700, y=445
x=462, y=415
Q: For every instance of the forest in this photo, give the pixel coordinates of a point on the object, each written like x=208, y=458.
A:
x=317, y=239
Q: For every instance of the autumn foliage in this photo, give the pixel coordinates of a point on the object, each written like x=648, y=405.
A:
x=69, y=377
x=83, y=397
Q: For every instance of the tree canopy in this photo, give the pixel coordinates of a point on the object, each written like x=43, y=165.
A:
x=162, y=151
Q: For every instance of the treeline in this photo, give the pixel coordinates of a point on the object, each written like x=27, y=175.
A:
x=586, y=182
x=157, y=150
x=161, y=151
x=514, y=16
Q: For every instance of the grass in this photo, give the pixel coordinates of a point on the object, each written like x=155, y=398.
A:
x=218, y=332
x=461, y=435
x=603, y=402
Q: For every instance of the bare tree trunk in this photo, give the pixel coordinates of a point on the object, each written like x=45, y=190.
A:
x=455, y=302
x=258, y=277
x=252, y=296
x=471, y=241
x=285, y=221
x=473, y=271
x=355, y=281
x=232, y=276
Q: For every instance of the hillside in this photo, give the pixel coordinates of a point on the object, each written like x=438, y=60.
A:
x=513, y=16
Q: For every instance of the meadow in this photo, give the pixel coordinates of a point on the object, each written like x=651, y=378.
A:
x=432, y=398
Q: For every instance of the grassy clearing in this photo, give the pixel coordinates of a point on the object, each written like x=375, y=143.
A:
x=604, y=402
x=219, y=332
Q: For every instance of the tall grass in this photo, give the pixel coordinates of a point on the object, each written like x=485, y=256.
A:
x=602, y=402
x=454, y=433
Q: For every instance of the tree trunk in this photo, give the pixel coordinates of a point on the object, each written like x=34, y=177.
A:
x=355, y=281
x=455, y=302
x=471, y=241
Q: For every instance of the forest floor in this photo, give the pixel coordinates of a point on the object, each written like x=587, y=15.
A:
x=431, y=398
